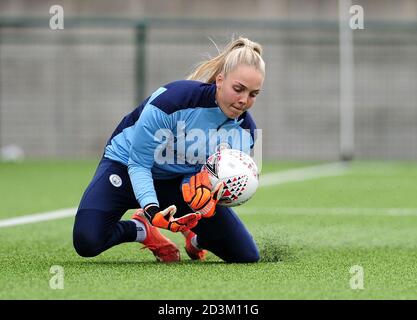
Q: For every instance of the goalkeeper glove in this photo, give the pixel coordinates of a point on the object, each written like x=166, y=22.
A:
x=165, y=218
x=198, y=195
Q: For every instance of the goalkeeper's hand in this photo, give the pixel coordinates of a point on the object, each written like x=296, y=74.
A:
x=199, y=196
x=165, y=218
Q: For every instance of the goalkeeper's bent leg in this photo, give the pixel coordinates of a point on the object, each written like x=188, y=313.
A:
x=226, y=236
x=223, y=234
x=97, y=226
x=96, y=231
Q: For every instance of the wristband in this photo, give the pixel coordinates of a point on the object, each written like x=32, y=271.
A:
x=151, y=210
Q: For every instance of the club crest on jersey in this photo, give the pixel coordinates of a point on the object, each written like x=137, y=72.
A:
x=115, y=180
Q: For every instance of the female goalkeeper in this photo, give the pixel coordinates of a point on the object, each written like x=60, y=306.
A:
x=150, y=163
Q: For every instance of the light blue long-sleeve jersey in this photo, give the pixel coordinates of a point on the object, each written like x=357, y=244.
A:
x=172, y=133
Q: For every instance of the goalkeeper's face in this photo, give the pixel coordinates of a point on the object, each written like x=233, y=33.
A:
x=237, y=91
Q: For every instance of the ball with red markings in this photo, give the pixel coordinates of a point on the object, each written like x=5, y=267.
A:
x=238, y=172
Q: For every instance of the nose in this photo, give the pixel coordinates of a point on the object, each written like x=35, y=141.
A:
x=243, y=99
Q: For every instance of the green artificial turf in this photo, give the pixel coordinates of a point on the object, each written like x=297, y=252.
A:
x=309, y=233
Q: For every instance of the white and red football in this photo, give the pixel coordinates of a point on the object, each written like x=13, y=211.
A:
x=238, y=172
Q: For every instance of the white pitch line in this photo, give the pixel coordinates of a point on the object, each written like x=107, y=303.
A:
x=303, y=174
x=269, y=179
x=38, y=217
x=329, y=211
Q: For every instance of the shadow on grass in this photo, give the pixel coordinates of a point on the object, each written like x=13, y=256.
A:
x=130, y=263
x=271, y=249
x=186, y=263
x=269, y=253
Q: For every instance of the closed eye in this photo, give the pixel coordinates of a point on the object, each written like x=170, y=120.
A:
x=241, y=88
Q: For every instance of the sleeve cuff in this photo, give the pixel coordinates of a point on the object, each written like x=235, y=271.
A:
x=147, y=201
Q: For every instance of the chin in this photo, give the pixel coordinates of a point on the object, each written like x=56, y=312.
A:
x=235, y=113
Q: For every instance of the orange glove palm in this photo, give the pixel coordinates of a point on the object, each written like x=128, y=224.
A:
x=199, y=196
x=165, y=219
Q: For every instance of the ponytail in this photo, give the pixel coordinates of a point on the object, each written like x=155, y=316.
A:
x=237, y=52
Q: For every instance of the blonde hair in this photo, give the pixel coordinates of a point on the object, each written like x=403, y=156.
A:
x=237, y=52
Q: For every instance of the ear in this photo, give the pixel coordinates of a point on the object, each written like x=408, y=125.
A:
x=219, y=80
